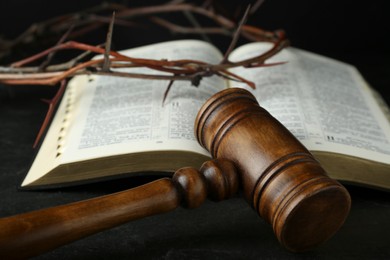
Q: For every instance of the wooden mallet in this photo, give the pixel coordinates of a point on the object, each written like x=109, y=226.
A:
x=278, y=176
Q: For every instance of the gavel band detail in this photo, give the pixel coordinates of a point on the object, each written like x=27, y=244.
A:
x=280, y=178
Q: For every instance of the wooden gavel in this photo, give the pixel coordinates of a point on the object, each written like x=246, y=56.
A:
x=278, y=176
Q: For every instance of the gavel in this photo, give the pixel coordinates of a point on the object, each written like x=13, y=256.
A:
x=252, y=151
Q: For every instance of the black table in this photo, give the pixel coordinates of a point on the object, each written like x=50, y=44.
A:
x=224, y=230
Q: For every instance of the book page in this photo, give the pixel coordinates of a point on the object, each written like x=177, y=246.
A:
x=115, y=115
x=325, y=103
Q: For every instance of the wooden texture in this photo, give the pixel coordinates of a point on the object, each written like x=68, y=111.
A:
x=36, y=232
x=280, y=178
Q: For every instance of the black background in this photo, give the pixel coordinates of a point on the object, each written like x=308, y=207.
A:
x=356, y=32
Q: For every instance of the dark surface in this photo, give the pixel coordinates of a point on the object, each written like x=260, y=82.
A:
x=225, y=230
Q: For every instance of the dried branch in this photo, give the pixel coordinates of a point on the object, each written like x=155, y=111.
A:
x=167, y=91
x=182, y=69
x=256, y=6
x=52, y=105
x=188, y=30
x=106, y=64
x=51, y=55
x=94, y=18
x=236, y=35
x=20, y=73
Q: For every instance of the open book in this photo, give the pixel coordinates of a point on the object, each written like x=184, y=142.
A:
x=110, y=127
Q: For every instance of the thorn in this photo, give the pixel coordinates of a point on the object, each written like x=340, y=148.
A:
x=256, y=6
x=236, y=35
x=51, y=55
x=47, y=101
x=167, y=91
x=106, y=64
x=265, y=64
x=50, y=112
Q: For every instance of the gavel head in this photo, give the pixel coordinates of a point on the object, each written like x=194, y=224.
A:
x=279, y=177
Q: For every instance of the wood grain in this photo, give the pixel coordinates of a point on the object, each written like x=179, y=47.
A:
x=37, y=232
x=280, y=178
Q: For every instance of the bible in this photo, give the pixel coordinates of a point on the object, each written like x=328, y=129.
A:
x=111, y=127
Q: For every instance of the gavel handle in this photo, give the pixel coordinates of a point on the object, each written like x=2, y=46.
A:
x=37, y=232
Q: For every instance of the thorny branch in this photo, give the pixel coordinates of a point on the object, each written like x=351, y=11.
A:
x=52, y=104
x=19, y=73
